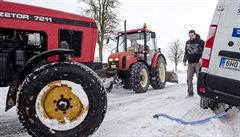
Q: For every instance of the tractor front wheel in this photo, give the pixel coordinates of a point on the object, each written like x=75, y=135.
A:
x=139, y=77
x=127, y=84
x=158, y=80
x=62, y=99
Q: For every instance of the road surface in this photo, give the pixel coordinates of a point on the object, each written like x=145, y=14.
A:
x=130, y=115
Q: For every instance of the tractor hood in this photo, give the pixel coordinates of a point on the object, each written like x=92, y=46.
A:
x=122, y=60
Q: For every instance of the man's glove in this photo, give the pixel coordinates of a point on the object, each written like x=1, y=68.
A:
x=185, y=63
x=200, y=62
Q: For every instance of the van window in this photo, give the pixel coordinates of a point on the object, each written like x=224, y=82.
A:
x=71, y=38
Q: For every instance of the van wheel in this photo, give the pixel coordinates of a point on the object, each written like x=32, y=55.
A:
x=221, y=107
x=213, y=105
x=62, y=99
x=160, y=74
x=139, y=77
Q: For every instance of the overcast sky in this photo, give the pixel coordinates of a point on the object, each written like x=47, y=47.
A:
x=170, y=19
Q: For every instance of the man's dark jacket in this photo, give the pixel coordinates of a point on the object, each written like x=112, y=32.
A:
x=193, y=50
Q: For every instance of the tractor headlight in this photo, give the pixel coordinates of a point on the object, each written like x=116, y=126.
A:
x=110, y=60
x=116, y=59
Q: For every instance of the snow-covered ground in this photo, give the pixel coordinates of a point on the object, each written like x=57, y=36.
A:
x=130, y=115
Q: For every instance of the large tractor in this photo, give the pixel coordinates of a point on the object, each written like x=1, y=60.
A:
x=42, y=57
x=138, y=61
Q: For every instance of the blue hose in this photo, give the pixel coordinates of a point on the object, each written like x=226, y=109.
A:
x=190, y=123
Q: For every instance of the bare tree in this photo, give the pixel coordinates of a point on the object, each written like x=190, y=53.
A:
x=105, y=14
x=175, y=52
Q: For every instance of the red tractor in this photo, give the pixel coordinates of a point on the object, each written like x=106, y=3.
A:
x=40, y=55
x=138, y=61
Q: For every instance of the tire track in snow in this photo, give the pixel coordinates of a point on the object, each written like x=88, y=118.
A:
x=9, y=124
x=130, y=96
x=231, y=125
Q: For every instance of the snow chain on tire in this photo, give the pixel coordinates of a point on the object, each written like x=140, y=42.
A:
x=157, y=82
x=127, y=84
x=136, y=77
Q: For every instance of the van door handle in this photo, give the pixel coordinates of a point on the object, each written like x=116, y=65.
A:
x=229, y=54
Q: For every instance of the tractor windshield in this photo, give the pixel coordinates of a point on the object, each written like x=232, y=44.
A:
x=135, y=42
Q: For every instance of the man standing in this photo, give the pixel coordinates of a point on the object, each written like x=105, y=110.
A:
x=193, y=52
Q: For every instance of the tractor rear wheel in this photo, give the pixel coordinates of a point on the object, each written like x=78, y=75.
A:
x=158, y=80
x=139, y=77
x=62, y=99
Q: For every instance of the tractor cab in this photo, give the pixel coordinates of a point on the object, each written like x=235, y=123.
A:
x=142, y=42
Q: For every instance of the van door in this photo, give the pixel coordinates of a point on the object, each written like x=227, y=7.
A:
x=225, y=57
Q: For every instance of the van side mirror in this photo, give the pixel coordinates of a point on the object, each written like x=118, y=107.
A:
x=153, y=35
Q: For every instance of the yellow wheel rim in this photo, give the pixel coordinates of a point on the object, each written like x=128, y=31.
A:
x=60, y=103
x=162, y=72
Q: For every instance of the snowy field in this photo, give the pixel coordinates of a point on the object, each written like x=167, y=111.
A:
x=130, y=115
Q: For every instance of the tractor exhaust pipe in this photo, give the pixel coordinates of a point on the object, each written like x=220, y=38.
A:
x=125, y=35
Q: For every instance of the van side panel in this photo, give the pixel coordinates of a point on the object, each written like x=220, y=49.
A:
x=218, y=11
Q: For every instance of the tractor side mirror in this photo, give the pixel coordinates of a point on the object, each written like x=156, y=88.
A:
x=114, y=50
x=153, y=35
x=112, y=39
x=158, y=49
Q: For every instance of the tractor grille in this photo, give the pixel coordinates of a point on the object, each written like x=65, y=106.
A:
x=114, y=65
x=124, y=62
x=5, y=67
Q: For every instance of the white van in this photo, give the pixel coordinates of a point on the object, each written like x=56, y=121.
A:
x=219, y=79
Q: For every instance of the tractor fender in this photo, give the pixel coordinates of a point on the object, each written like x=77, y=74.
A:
x=29, y=66
x=143, y=61
x=155, y=58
